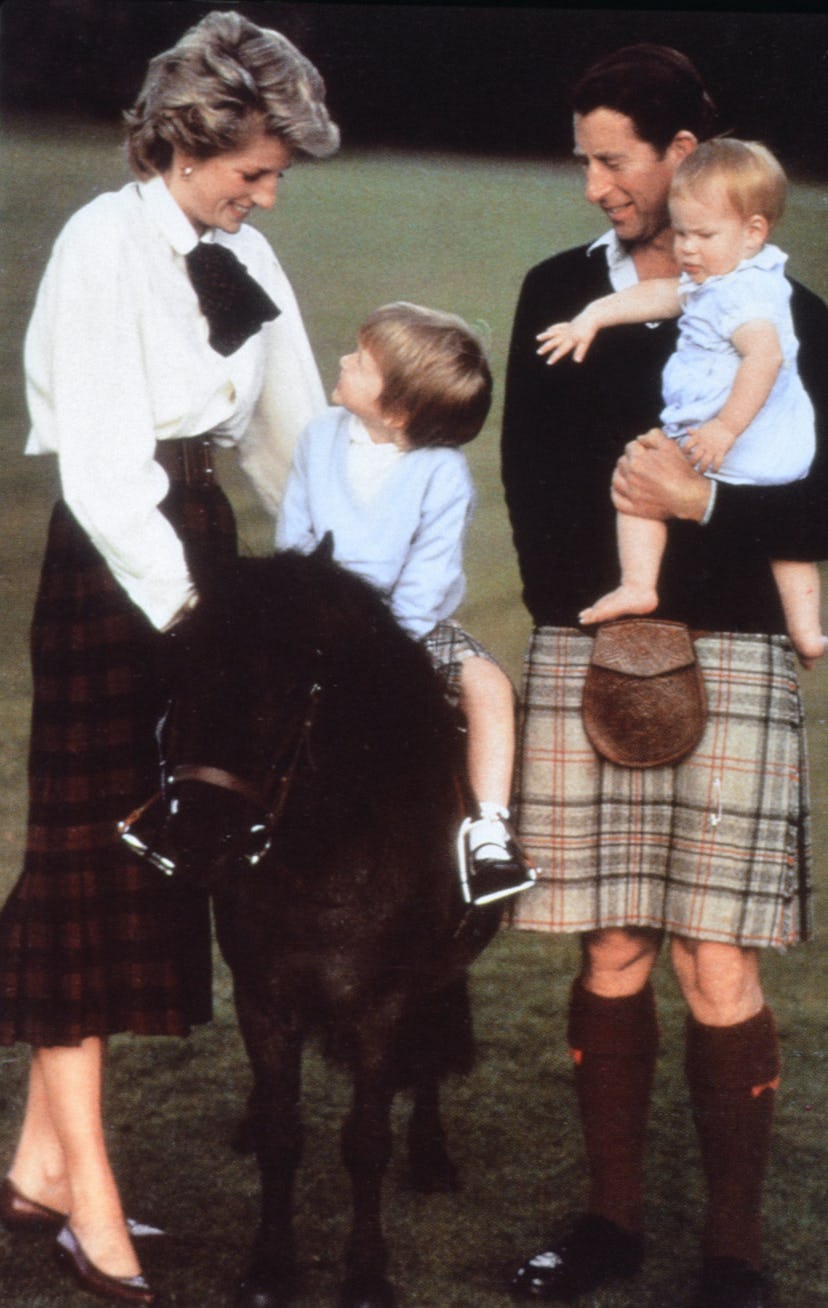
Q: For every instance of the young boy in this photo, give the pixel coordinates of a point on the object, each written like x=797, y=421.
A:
x=732, y=395
x=383, y=473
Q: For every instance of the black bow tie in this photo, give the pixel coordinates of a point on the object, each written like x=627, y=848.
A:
x=233, y=303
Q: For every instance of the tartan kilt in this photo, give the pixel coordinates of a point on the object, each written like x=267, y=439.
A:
x=716, y=847
x=448, y=645
x=92, y=941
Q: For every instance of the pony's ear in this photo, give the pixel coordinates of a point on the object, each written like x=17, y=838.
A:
x=325, y=548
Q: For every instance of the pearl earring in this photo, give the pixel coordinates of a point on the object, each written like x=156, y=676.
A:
x=185, y=172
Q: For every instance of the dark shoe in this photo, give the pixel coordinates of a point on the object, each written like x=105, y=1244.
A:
x=730, y=1283
x=492, y=864
x=595, y=1252
x=127, y=1289
x=17, y=1213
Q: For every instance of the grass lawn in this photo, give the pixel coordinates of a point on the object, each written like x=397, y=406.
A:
x=353, y=233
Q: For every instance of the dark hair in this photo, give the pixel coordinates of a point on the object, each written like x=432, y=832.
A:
x=434, y=371
x=656, y=87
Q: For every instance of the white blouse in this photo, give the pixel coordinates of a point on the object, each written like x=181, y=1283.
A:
x=117, y=357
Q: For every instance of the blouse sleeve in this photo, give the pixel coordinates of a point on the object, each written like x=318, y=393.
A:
x=84, y=360
x=291, y=396
x=431, y=578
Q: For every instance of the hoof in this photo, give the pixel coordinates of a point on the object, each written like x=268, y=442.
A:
x=263, y=1287
x=367, y=1292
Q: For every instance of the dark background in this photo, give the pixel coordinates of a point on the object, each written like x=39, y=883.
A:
x=482, y=78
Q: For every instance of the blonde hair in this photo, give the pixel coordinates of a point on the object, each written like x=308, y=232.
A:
x=753, y=179
x=217, y=85
x=434, y=370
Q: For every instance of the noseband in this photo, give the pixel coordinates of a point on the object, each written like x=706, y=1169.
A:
x=146, y=829
x=271, y=796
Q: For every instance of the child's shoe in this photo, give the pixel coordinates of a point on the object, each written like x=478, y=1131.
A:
x=492, y=864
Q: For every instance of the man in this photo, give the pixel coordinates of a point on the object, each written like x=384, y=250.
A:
x=712, y=852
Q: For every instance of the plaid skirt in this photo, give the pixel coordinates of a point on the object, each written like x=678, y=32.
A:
x=93, y=942
x=715, y=848
x=448, y=645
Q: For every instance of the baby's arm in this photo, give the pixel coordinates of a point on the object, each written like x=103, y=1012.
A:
x=647, y=301
x=757, y=344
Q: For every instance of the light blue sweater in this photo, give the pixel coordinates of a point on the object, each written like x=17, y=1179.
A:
x=408, y=541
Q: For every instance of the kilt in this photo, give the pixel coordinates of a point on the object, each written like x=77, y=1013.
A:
x=92, y=941
x=448, y=645
x=716, y=847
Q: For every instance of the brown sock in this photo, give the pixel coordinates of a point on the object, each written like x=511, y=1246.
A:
x=733, y=1073
x=614, y=1043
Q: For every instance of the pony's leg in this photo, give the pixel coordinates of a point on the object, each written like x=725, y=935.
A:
x=430, y=1168
x=366, y=1150
x=275, y=1051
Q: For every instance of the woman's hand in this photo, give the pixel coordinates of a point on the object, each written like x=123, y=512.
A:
x=573, y=338
x=653, y=479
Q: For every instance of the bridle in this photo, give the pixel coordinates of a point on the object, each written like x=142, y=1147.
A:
x=268, y=798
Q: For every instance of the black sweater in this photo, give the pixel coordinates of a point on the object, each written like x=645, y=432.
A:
x=564, y=428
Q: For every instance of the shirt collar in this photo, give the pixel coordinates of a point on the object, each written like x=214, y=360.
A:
x=169, y=217
x=620, y=263
x=358, y=434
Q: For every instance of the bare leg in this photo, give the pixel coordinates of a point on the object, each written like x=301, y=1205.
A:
x=798, y=585
x=641, y=544
x=487, y=700
x=61, y=1159
x=39, y=1166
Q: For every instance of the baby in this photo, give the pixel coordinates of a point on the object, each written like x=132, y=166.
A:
x=732, y=395
x=384, y=474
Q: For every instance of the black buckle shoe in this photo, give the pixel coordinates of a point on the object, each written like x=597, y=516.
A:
x=730, y=1283
x=485, y=880
x=595, y=1252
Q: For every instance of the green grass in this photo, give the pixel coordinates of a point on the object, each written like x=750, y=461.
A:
x=353, y=233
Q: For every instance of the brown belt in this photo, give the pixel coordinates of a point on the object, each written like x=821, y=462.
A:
x=188, y=460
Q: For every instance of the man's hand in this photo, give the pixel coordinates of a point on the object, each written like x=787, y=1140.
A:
x=653, y=479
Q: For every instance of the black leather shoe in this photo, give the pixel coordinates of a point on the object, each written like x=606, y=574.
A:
x=595, y=1252
x=730, y=1283
x=17, y=1213
x=126, y=1289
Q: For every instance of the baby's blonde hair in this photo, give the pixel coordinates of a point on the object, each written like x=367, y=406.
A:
x=434, y=370
x=753, y=179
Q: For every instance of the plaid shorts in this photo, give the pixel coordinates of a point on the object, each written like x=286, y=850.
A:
x=92, y=940
x=716, y=847
x=448, y=645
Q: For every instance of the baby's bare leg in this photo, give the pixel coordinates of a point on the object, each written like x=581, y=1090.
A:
x=798, y=585
x=641, y=544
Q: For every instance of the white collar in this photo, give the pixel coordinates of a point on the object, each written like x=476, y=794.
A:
x=358, y=434
x=169, y=217
x=620, y=263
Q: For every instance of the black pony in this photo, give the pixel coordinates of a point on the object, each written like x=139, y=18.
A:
x=314, y=769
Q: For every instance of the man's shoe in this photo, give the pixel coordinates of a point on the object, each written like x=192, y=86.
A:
x=492, y=864
x=595, y=1252
x=730, y=1283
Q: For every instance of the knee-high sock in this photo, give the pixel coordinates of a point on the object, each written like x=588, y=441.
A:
x=614, y=1044
x=733, y=1073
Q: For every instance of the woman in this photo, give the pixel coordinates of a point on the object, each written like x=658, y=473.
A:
x=137, y=357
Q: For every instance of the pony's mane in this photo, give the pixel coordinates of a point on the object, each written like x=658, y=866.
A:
x=336, y=628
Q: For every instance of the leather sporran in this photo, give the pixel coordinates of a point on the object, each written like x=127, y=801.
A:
x=644, y=704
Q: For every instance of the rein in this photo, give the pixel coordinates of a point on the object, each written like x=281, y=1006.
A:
x=272, y=796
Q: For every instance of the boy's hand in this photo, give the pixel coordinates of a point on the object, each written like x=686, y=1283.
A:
x=706, y=446
x=569, y=337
